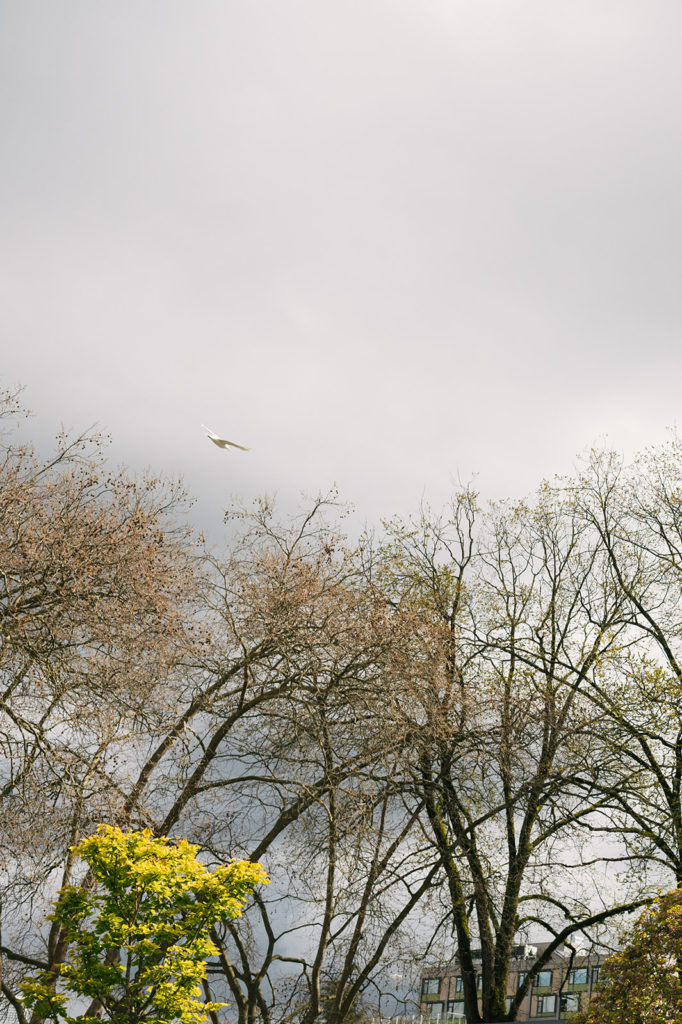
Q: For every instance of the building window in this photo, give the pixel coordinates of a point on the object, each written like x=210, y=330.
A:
x=543, y=979
x=431, y=986
x=546, y=1006
x=578, y=976
x=435, y=1010
x=522, y=978
x=570, y=1002
x=595, y=974
x=508, y=1002
x=479, y=982
x=459, y=986
x=455, y=1008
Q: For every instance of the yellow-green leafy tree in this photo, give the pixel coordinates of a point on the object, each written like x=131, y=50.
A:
x=139, y=937
x=642, y=984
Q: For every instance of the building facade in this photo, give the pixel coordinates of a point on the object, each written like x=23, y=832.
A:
x=560, y=989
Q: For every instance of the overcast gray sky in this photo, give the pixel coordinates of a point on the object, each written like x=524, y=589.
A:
x=384, y=242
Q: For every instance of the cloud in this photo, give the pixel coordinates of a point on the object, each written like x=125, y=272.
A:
x=381, y=242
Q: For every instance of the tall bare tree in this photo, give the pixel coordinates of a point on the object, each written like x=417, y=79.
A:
x=504, y=735
x=301, y=767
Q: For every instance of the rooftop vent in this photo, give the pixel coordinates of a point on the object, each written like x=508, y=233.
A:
x=524, y=951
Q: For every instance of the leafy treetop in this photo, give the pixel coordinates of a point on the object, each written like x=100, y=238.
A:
x=642, y=984
x=139, y=939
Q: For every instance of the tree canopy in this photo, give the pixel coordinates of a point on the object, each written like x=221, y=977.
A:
x=413, y=729
x=642, y=983
x=139, y=932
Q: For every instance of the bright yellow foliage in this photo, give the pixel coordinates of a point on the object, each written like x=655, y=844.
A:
x=140, y=939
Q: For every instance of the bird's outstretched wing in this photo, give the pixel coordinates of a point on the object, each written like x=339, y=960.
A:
x=223, y=442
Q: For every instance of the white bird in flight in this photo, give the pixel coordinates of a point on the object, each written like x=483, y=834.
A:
x=221, y=442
